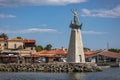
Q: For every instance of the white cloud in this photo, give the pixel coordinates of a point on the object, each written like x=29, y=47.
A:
x=7, y=16
x=111, y=13
x=94, y=32
x=5, y=3
x=32, y=30
x=39, y=30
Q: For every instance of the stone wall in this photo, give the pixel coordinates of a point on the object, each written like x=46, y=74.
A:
x=50, y=67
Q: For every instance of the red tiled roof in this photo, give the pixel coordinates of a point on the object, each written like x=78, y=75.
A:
x=89, y=53
x=104, y=53
x=29, y=41
x=59, y=51
x=2, y=39
x=110, y=54
x=51, y=53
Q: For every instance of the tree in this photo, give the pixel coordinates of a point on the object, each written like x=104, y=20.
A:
x=3, y=35
x=19, y=37
x=86, y=49
x=113, y=50
x=48, y=47
x=39, y=48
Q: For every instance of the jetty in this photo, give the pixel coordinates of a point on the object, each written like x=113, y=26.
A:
x=50, y=67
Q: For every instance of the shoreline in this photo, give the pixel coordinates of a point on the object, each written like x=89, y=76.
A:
x=50, y=67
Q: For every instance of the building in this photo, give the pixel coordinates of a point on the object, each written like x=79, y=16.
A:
x=22, y=46
x=3, y=44
x=29, y=44
x=13, y=50
x=102, y=57
x=15, y=43
x=9, y=59
x=58, y=55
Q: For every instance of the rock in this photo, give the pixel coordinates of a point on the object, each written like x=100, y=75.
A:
x=50, y=67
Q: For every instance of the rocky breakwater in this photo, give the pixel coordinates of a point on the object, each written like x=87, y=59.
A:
x=50, y=67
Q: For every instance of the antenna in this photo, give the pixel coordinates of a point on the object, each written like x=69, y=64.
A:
x=107, y=45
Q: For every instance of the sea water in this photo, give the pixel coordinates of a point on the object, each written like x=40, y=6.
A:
x=107, y=74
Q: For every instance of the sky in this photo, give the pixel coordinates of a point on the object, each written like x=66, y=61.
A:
x=47, y=21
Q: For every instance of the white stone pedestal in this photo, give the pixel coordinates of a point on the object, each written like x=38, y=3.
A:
x=75, y=50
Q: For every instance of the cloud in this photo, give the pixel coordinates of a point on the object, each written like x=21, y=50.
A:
x=110, y=13
x=94, y=32
x=7, y=16
x=31, y=30
x=4, y=3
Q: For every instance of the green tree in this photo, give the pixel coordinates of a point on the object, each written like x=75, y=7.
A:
x=39, y=48
x=86, y=49
x=19, y=37
x=113, y=50
x=48, y=47
x=3, y=35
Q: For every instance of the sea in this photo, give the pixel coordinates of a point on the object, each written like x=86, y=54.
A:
x=106, y=74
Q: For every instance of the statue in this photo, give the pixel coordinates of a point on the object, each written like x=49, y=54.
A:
x=75, y=13
x=76, y=23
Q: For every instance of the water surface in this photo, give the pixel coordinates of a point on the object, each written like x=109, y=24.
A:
x=108, y=74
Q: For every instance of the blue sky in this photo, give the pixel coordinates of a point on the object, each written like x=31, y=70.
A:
x=48, y=21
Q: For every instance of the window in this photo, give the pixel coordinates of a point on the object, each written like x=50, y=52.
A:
x=14, y=45
x=80, y=58
x=31, y=48
x=23, y=46
x=5, y=44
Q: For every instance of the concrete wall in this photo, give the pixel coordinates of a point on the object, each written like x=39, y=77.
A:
x=15, y=44
x=3, y=45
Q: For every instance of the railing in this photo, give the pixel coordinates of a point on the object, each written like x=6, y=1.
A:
x=112, y=64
